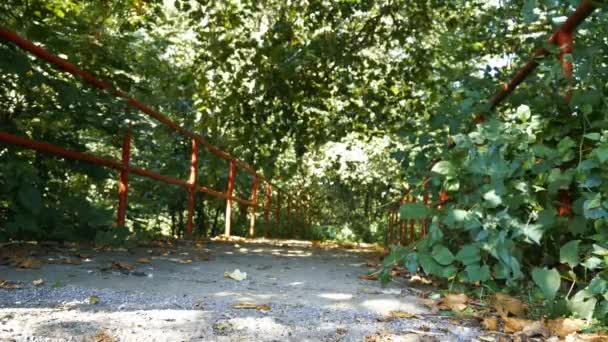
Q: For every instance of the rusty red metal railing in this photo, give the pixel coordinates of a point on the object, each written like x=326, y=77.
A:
x=124, y=166
x=563, y=38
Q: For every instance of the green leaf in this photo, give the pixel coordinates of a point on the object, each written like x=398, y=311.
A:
x=548, y=280
x=533, y=232
x=442, y=255
x=592, y=263
x=411, y=262
x=565, y=145
x=597, y=285
x=429, y=265
x=477, y=273
x=492, y=199
x=601, y=153
x=593, y=136
x=414, y=211
x=568, y=254
x=583, y=303
x=444, y=168
x=528, y=11
x=468, y=254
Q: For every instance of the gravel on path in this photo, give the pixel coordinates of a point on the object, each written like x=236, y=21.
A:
x=180, y=293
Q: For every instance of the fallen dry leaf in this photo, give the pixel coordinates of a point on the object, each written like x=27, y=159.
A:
x=38, y=282
x=515, y=324
x=505, y=305
x=401, y=314
x=236, y=275
x=27, y=263
x=102, y=336
x=431, y=304
x=184, y=261
x=10, y=285
x=536, y=328
x=563, y=327
x=373, y=276
x=416, y=279
x=144, y=260
x=248, y=305
x=454, y=301
x=490, y=323
x=597, y=337
x=373, y=264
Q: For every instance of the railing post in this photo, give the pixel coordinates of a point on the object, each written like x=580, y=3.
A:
x=192, y=188
x=288, y=218
x=402, y=223
x=388, y=234
x=123, y=180
x=412, y=223
x=229, y=197
x=296, y=217
x=267, y=208
x=254, y=199
x=278, y=215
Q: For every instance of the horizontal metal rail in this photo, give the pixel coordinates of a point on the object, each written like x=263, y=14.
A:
x=89, y=78
x=562, y=34
x=124, y=167
x=110, y=163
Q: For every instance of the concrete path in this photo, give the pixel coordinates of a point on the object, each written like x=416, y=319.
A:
x=314, y=294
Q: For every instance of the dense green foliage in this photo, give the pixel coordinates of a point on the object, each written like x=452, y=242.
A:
x=345, y=103
x=527, y=186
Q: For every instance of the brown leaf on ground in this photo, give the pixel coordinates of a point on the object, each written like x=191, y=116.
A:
x=38, y=282
x=536, y=328
x=184, y=261
x=10, y=285
x=27, y=263
x=373, y=276
x=102, y=336
x=563, y=327
x=515, y=324
x=597, y=337
x=399, y=271
x=119, y=265
x=416, y=279
x=454, y=301
x=401, y=314
x=490, y=323
x=431, y=304
x=373, y=264
x=144, y=260
x=505, y=305
x=249, y=305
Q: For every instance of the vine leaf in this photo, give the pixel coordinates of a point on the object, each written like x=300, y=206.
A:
x=568, y=254
x=444, y=168
x=469, y=254
x=442, y=255
x=548, y=280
